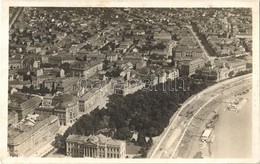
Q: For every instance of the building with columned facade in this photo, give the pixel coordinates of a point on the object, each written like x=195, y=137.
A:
x=98, y=146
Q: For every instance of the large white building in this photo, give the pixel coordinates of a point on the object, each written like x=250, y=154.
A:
x=91, y=99
x=95, y=147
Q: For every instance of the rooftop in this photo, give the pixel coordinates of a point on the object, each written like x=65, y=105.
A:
x=83, y=65
x=22, y=103
x=101, y=139
x=64, y=101
x=19, y=135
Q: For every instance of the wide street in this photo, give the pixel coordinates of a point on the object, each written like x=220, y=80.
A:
x=170, y=140
x=207, y=57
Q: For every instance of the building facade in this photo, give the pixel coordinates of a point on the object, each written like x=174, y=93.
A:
x=112, y=57
x=181, y=53
x=23, y=107
x=172, y=73
x=95, y=147
x=24, y=141
x=91, y=99
x=213, y=74
x=65, y=85
x=162, y=35
x=127, y=87
x=162, y=76
x=64, y=106
x=86, y=69
x=12, y=117
x=189, y=67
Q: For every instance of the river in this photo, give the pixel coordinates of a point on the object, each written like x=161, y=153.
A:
x=234, y=132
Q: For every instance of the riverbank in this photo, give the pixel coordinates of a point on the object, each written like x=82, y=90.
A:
x=190, y=144
x=234, y=132
x=184, y=114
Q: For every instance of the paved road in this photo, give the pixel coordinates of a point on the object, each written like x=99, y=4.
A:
x=207, y=57
x=181, y=120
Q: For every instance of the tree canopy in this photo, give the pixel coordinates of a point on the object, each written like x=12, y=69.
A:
x=145, y=112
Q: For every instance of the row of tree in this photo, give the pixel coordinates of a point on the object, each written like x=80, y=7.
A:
x=204, y=40
x=145, y=112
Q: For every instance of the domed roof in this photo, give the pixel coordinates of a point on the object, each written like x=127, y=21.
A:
x=65, y=101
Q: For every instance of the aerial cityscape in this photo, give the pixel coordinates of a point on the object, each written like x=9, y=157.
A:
x=130, y=82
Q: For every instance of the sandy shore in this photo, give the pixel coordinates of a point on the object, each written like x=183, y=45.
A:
x=233, y=132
